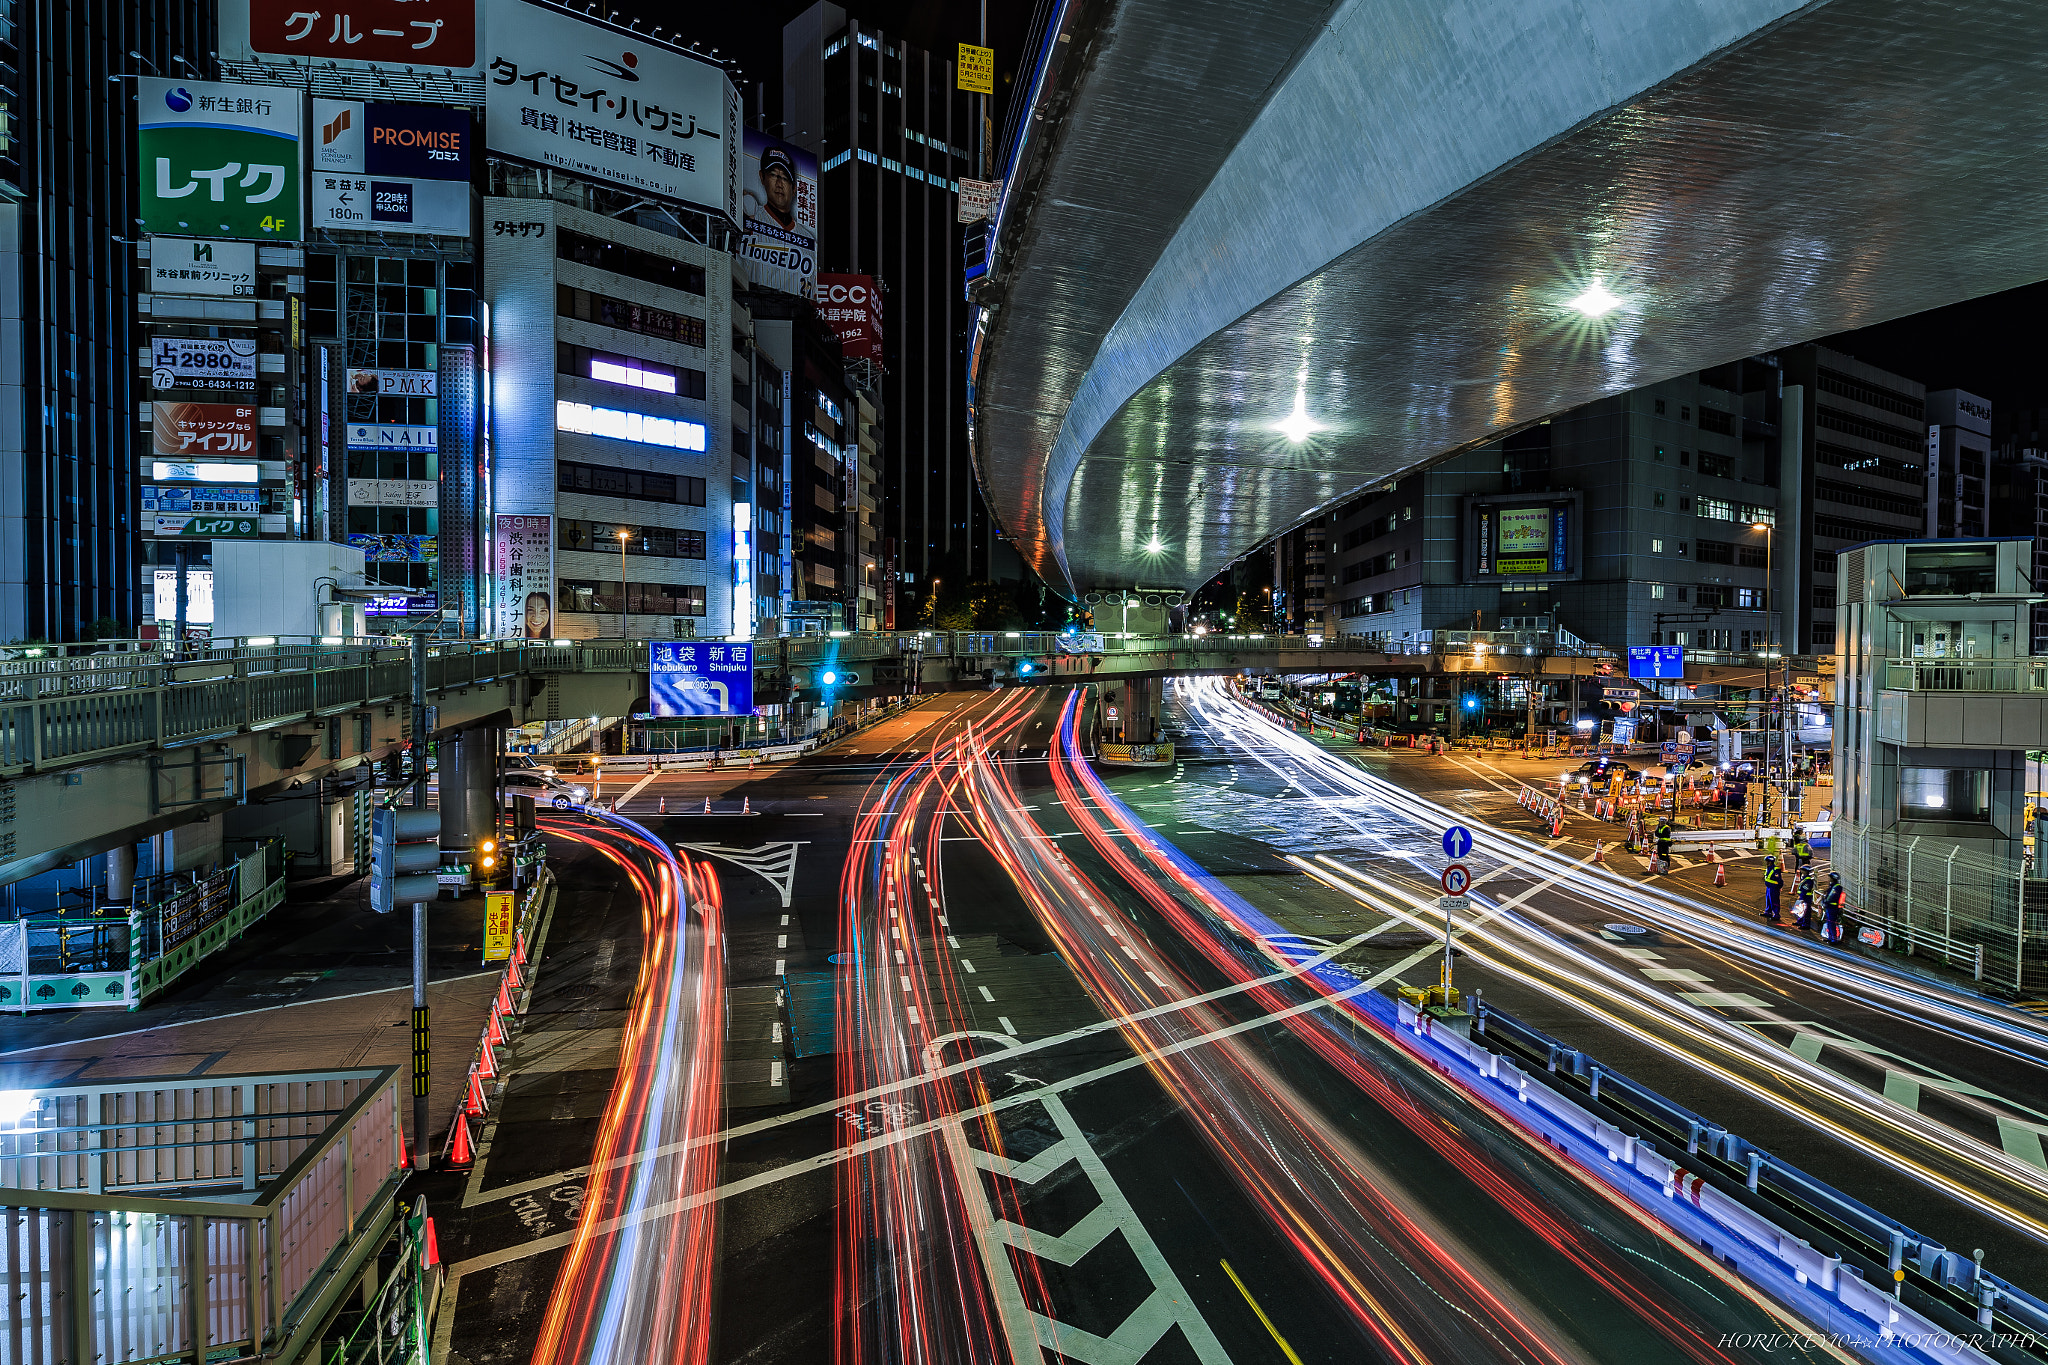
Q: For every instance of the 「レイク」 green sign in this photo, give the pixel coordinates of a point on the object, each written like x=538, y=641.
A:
x=220, y=160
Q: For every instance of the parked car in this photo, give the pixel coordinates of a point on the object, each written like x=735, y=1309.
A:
x=543, y=788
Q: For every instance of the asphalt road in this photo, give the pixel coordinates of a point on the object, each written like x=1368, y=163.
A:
x=1263, y=1188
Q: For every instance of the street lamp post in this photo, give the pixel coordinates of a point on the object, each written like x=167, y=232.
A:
x=1770, y=647
x=622, y=582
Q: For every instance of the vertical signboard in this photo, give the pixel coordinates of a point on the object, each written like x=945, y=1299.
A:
x=852, y=307
x=202, y=430
x=196, y=265
x=700, y=678
x=600, y=102
x=219, y=160
x=525, y=576
x=391, y=167
x=779, y=208
x=498, y=925
x=975, y=72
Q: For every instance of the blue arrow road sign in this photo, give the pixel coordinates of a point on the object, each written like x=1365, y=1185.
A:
x=1457, y=841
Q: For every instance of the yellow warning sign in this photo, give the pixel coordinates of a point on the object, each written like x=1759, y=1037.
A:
x=497, y=926
x=976, y=72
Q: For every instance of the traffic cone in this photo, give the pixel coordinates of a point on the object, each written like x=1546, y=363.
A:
x=494, y=1032
x=460, y=1151
x=707, y=805
x=1599, y=853
x=746, y=805
x=519, y=950
x=1720, y=873
x=487, y=1065
x=664, y=806
x=504, y=1005
x=474, y=1103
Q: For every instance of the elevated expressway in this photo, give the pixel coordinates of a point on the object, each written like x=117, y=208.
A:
x=1252, y=259
x=99, y=748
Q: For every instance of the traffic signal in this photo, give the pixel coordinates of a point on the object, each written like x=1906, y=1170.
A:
x=486, y=861
x=841, y=677
x=405, y=856
x=1031, y=668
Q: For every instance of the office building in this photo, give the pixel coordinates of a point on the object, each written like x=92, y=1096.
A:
x=893, y=137
x=616, y=437
x=1704, y=511
x=1958, y=464
x=70, y=283
x=2019, y=496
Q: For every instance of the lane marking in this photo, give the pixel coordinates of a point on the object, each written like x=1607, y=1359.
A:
x=985, y=995
x=1271, y=1330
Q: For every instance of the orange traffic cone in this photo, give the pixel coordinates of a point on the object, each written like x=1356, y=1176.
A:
x=494, y=1032
x=504, y=1002
x=707, y=805
x=519, y=950
x=1599, y=853
x=663, y=810
x=460, y=1151
x=474, y=1102
x=1720, y=873
x=487, y=1065
x=746, y=805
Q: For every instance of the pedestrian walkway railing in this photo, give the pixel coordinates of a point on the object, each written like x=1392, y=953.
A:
x=205, y=1218
x=1958, y=675
x=122, y=956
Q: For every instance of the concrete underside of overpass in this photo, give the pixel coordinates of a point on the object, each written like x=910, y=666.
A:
x=1382, y=207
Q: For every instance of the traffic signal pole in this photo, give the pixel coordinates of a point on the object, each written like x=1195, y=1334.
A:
x=421, y=1037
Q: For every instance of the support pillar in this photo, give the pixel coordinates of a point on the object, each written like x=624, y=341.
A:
x=121, y=874
x=468, y=780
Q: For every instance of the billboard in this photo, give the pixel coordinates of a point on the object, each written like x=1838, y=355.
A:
x=384, y=547
x=433, y=35
x=600, y=102
x=779, y=212
x=229, y=500
x=195, y=265
x=852, y=307
x=1656, y=661
x=202, y=363
x=525, y=576
x=975, y=71
x=977, y=200
x=219, y=160
x=386, y=436
x=700, y=678
x=198, y=596
x=194, y=430
x=1514, y=539
x=391, y=167
x=395, y=383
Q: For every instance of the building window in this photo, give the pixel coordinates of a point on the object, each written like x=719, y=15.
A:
x=1715, y=509
x=602, y=597
x=631, y=262
x=668, y=433
x=641, y=485
x=1753, y=515
x=585, y=306
x=1657, y=592
x=628, y=371
x=1718, y=466
x=1660, y=407
x=1657, y=498
x=1678, y=637
x=1657, y=454
x=1749, y=597
x=661, y=542
x=1945, y=794
x=1681, y=593
x=1656, y=546
x=1684, y=459
x=1681, y=547
x=1684, y=413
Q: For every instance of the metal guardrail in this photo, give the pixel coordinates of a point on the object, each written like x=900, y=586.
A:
x=1950, y=1276
x=174, y=1216
x=1958, y=675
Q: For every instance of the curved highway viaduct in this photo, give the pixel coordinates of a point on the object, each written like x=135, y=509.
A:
x=1374, y=217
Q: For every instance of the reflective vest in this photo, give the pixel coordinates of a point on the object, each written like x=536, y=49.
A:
x=1773, y=877
x=1802, y=849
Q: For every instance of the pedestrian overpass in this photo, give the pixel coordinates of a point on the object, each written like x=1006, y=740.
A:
x=100, y=746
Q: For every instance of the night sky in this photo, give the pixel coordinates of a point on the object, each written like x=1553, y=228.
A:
x=1993, y=346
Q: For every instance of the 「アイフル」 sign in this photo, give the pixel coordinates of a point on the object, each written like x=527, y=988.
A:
x=219, y=159
x=600, y=102
x=391, y=167
x=202, y=363
x=195, y=265
x=700, y=678
x=202, y=430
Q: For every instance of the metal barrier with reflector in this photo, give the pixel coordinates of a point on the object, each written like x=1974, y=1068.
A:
x=147, y=1219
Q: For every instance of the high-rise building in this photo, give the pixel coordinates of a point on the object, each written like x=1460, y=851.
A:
x=70, y=552
x=2019, y=495
x=1958, y=463
x=1704, y=511
x=893, y=137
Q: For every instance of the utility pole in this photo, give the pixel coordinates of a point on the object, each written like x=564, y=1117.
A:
x=421, y=1036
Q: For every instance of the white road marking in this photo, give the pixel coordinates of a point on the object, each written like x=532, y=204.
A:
x=782, y=940
x=1011, y=1029
x=986, y=994
x=778, y=967
x=968, y=965
x=1716, y=1000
